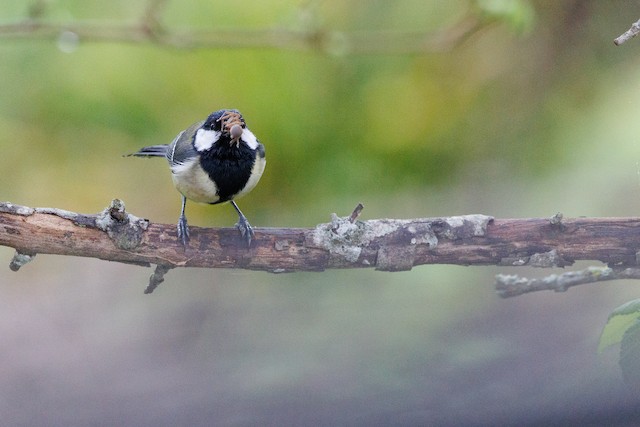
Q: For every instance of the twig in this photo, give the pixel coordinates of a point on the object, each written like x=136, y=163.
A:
x=19, y=260
x=157, y=277
x=356, y=212
x=513, y=285
x=149, y=29
x=629, y=34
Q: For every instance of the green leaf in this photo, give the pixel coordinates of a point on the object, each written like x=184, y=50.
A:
x=630, y=355
x=621, y=319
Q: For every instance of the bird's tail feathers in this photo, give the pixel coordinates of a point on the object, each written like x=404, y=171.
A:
x=151, y=151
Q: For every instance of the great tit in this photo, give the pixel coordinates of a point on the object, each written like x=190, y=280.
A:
x=213, y=161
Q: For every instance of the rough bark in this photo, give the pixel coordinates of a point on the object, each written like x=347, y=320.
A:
x=384, y=244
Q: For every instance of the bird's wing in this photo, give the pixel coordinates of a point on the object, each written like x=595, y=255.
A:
x=181, y=149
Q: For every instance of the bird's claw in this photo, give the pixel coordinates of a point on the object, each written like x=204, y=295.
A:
x=246, y=231
x=183, y=231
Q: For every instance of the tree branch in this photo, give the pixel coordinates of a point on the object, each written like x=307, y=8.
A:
x=149, y=28
x=115, y=235
x=345, y=242
x=629, y=34
x=508, y=285
x=334, y=42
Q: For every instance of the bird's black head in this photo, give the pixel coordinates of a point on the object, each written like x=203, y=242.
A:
x=229, y=122
x=223, y=120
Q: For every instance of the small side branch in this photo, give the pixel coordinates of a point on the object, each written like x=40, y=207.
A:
x=356, y=213
x=513, y=285
x=157, y=277
x=20, y=259
x=629, y=34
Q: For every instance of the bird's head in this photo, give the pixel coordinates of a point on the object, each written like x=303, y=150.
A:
x=229, y=123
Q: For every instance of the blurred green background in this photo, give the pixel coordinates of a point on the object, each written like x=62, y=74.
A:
x=532, y=112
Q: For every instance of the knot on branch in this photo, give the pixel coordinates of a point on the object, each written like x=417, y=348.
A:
x=124, y=229
x=20, y=259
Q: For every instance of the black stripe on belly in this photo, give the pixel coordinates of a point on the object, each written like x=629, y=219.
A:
x=229, y=167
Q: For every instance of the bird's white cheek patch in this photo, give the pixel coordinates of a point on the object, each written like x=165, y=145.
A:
x=249, y=138
x=205, y=138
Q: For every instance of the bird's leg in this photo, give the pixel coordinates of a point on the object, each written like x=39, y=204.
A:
x=243, y=225
x=183, y=228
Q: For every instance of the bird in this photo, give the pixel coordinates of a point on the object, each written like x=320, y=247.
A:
x=213, y=161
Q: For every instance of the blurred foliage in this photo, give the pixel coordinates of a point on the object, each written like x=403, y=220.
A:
x=520, y=14
x=335, y=125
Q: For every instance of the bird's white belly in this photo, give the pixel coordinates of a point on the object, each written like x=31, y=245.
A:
x=193, y=182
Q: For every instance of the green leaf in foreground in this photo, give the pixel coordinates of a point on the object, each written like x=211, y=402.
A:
x=621, y=319
x=630, y=355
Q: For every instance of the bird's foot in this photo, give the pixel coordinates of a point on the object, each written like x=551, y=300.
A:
x=245, y=229
x=183, y=230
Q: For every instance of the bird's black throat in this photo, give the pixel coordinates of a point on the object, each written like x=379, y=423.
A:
x=229, y=166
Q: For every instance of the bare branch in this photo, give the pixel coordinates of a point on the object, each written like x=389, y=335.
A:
x=150, y=29
x=629, y=34
x=513, y=285
x=115, y=235
x=386, y=244
x=156, y=278
x=345, y=242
